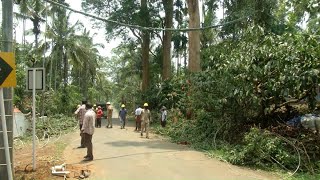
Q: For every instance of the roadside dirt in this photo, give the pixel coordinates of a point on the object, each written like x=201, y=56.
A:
x=46, y=156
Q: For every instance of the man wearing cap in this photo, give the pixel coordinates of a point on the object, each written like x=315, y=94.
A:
x=80, y=112
x=145, y=118
x=109, y=115
x=122, y=116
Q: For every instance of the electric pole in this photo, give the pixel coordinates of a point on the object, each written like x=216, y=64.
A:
x=7, y=46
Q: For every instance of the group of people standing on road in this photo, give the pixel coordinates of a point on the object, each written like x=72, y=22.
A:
x=90, y=116
x=143, y=118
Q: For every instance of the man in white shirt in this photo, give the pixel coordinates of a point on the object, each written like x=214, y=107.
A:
x=138, y=118
x=88, y=130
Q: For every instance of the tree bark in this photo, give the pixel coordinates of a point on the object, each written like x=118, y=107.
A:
x=145, y=60
x=65, y=70
x=166, y=71
x=145, y=46
x=194, y=36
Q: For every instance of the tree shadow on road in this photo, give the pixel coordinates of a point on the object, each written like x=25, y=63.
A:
x=148, y=143
x=133, y=154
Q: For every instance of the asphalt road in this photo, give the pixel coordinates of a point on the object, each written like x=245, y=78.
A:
x=123, y=154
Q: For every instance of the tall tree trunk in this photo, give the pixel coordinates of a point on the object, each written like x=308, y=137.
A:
x=55, y=75
x=185, y=59
x=145, y=46
x=194, y=36
x=65, y=70
x=166, y=71
x=145, y=60
x=50, y=75
x=85, y=81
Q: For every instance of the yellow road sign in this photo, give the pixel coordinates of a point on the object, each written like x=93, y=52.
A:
x=7, y=70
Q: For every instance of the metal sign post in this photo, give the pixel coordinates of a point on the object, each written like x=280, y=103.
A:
x=34, y=120
x=35, y=82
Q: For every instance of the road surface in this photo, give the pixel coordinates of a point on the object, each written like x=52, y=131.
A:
x=123, y=154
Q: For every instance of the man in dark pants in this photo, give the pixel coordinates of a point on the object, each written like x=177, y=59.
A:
x=123, y=116
x=88, y=130
x=80, y=112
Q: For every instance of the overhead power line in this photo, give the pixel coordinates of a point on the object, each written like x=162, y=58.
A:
x=142, y=27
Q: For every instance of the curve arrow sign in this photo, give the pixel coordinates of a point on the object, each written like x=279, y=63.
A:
x=5, y=70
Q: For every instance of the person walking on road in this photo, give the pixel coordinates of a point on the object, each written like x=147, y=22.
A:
x=88, y=130
x=163, y=116
x=80, y=112
x=99, y=116
x=138, y=118
x=122, y=116
x=145, y=120
x=109, y=115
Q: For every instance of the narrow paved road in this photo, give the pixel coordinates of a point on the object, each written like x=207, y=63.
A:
x=123, y=154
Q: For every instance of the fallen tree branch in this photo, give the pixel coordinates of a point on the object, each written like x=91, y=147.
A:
x=289, y=102
x=295, y=148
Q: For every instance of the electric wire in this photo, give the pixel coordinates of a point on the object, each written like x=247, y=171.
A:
x=147, y=28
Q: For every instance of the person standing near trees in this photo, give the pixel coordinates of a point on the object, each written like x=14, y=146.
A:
x=145, y=119
x=88, y=130
x=99, y=116
x=122, y=116
x=109, y=115
x=137, y=114
x=80, y=112
x=163, y=116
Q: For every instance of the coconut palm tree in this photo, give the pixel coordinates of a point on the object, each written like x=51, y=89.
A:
x=70, y=51
x=35, y=11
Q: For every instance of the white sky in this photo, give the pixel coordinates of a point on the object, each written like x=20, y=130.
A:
x=100, y=33
x=98, y=38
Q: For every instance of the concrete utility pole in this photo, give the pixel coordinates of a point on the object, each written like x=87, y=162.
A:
x=7, y=46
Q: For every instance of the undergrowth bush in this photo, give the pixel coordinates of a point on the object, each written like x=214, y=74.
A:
x=188, y=132
x=261, y=149
x=54, y=126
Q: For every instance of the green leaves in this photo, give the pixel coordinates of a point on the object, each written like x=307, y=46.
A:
x=267, y=66
x=261, y=149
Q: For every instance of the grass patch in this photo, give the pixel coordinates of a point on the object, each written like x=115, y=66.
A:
x=305, y=176
x=59, y=148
